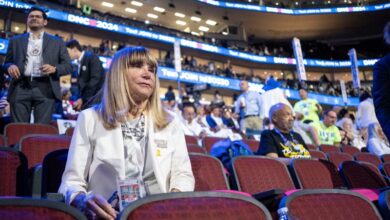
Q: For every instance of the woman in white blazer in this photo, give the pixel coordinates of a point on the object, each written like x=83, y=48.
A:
x=128, y=135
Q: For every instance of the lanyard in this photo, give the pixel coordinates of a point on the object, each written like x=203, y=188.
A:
x=286, y=142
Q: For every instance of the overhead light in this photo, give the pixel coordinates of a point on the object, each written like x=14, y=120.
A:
x=180, y=22
x=138, y=4
x=194, y=18
x=16, y=28
x=147, y=21
x=159, y=9
x=211, y=22
x=187, y=29
x=203, y=28
x=225, y=33
x=150, y=15
x=180, y=15
x=107, y=4
x=194, y=33
x=131, y=10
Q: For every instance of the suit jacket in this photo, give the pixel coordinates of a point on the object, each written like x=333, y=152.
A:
x=96, y=158
x=381, y=93
x=53, y=52
x=91, y=76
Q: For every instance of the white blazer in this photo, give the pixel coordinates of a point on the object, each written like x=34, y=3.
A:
x=96, y=158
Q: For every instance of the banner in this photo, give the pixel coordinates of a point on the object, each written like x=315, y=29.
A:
x=176, y=47
x=299, y=59
x=354, y=68
x=343, y=92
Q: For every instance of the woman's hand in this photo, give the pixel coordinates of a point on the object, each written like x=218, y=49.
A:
x=94, y=206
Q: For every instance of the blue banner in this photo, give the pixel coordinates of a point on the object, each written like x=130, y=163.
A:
x=309, y=11
x=128, y=30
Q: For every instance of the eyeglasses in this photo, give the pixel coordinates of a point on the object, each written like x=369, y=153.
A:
x=35, y=16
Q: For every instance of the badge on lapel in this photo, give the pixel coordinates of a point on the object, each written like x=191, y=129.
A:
x=160, y=144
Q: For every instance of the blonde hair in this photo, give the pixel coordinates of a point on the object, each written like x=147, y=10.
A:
x=117, y=99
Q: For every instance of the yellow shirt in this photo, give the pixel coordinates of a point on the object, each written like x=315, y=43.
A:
x=327, y=135
x=308, y=108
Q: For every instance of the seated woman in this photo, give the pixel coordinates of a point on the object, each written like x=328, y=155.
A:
x=377, y=141
x=128, y=136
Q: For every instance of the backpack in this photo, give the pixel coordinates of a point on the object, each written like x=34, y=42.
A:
x=225, y=150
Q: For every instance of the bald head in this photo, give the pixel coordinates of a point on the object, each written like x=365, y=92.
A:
x=244, y=86
x=282, y=117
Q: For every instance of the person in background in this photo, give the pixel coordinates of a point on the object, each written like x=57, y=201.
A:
x=282, y=141
x=381, y=87
x=35, y=61
x=327, y=131
x=365, y=114
x=272, y=95
x=127, y=137
x=249, y=107
x=309, y=108
x=90, y=74
x=378, y=144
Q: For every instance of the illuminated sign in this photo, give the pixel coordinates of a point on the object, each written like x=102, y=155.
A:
x=128, y=30
x=308, y=11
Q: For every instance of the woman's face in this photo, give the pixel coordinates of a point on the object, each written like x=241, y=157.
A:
x=142, y=81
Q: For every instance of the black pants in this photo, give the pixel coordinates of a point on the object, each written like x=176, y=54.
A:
x=29, y=95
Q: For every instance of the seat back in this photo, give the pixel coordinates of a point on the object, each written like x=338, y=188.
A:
x=329, y=204
x=3, y=141
x=37, y=209
x=13, y=172
x=194, y=148
x=191, y=139
x=69, y=131
x=252, y=144
x=195, y=206
x=369, y=158
x=208, y=142
x=315, y=174
x=256, y=174
x=317, y=154
x=338, y=157
x=15, y=131
x=53, y=167
x=385, y=158
x=359, y=174
x=208, y=172
x=311, y=147
x=35, y=147
x=328, y=148
x=351, y=150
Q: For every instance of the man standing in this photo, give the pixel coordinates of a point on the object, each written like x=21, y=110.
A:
x=327, y=131
x=35, y=61
x=90, y=74
x=282, y=141
x=309, y=108
x=249, y=107
x=381, y=87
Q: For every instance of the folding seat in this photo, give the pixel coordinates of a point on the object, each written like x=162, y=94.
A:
x=37, y=209
x=208, y=142
x=195, y=206
x=13, y=172
x=253, y=144
x=315, y=174
x=351, y=150
x=328, y=148
x=15, y=131
x=317, y=154
x=358, y=174
x=369, y=158
x=255, y=174
x=208, y=172
x=194, y=148
x=385, y=158
x=53, y=167
x=191, y=139
x=384, y=204
x=36, y=146
x=338, y=157
x=311, y=147
x=328, y=204
x=3, y=141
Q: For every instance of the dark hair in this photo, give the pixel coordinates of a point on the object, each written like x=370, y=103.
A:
x=188, y=105
x=365, y=95
x=34, y=8
x=326, y=112
x=73, y=44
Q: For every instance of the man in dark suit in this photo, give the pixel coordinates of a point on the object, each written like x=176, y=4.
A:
x=381, y=87
x=35, y=61
x=90, y=74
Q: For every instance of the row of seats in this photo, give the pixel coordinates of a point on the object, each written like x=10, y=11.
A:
x=305, y=204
